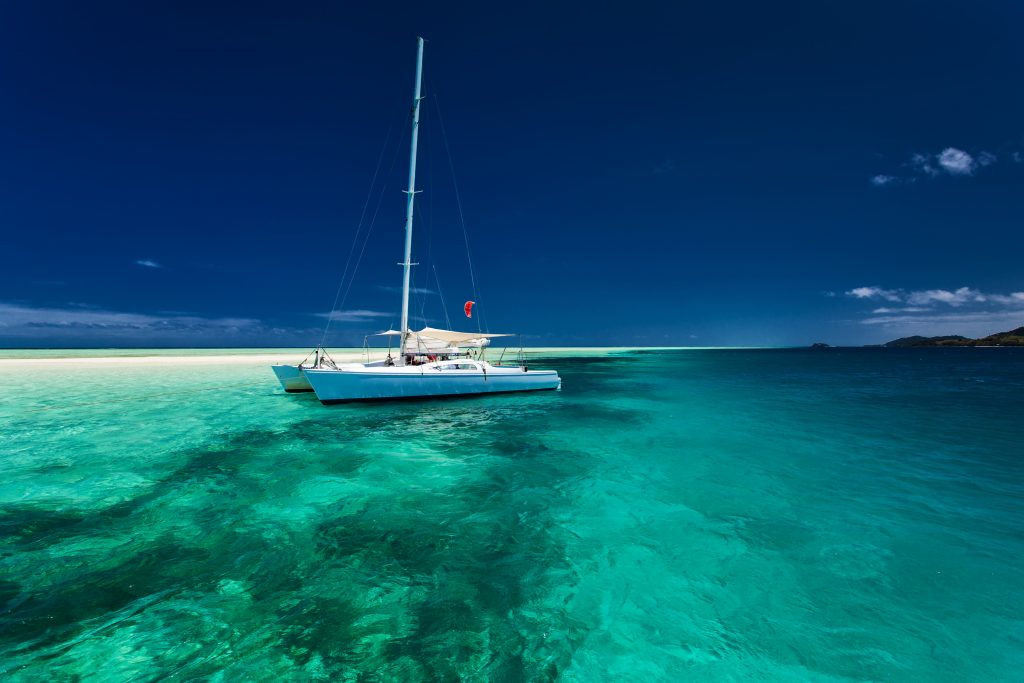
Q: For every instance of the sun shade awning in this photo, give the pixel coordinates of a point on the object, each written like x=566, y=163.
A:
x=455, y=337
x=449, y=336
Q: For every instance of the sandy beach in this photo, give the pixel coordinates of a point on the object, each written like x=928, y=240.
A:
x=226, y=359
x=66, y=358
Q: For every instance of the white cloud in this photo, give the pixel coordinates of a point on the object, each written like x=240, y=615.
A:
x=927, y=297
x=88, y=324
x=955, y=298
x=956, y=161
x=1014, y=298
x=82, y=325
x=1010, y=319
x=922, y=163
x=952, y=161
x=148, y=263
x=964, y=310
x=355, y=316
x=874, y=293
x=902, y=309
x=986, y=159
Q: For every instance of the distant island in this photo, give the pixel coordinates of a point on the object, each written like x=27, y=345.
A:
x=1011, y=338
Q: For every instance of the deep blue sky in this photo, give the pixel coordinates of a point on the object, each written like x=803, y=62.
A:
x=657, y=174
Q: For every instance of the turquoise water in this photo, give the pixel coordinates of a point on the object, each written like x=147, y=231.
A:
x=776, y=515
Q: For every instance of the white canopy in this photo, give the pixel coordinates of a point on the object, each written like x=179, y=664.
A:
x=448, y=336
x=453, y=337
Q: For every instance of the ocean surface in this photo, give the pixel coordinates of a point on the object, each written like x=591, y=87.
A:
x=705, y=515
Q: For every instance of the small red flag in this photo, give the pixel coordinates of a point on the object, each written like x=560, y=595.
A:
x=468, y=308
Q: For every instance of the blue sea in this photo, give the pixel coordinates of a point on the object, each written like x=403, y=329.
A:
x=705, y=515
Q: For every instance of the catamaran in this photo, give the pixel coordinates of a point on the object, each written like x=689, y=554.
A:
x=429, y=362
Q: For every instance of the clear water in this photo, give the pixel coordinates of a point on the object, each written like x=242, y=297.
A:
x=675, y=515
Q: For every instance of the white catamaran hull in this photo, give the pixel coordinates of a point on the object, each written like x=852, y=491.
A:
x=292, y=378
x=360, y=383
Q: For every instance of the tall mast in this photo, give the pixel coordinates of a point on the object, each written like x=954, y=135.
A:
x=410, y=198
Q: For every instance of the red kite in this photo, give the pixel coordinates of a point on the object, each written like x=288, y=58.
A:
x=468, y=308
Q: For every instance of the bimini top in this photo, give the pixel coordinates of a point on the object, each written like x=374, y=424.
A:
x=449, y=336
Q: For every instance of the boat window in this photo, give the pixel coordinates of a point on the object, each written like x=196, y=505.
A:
x=456, y=366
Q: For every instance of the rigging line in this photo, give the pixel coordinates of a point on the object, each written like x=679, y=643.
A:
x=422, y=292
x=458, y=200
x=373, y=221
x=430, y=208
x=425, y=214
x=421, y=284
x=427, y=221
x=444, y=307
x=355, y=237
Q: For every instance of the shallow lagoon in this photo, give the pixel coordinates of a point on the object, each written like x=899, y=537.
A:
x=672, y=514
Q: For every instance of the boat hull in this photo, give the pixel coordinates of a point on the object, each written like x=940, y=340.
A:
x=292, y=378
x=345, y=385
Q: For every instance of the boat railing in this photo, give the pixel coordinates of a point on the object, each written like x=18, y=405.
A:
x=518, y=361
x=320, y=360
